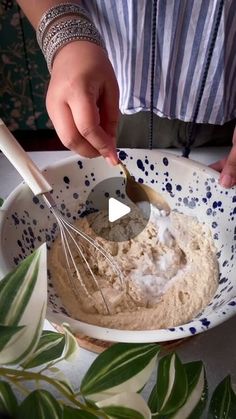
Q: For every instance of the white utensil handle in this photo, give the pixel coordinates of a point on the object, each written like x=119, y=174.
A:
x=22, y=162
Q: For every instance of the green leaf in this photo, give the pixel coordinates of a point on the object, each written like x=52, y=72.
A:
x=223, y=401
x=170, y=391
x=63, y=381
x=6, y=333
x=53, y=346
x=119, y=412
x=123, y=366
x=50, y=347
x=16, y=289
x=232, y=408
x=125, y=405
x=197, y=392
x=33, y=336
x=71, y=344
x=42, y=404
x=72, y=413
x=8, y=402
x=1, y=201
x=23, y=297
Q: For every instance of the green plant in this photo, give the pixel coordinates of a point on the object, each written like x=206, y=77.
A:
x=112, y=386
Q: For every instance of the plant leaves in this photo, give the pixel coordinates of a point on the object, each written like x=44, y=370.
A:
x=197, y=392
x=53, y=346
x=8, y=402
x=54, y=370
x=125, y=405
x=16, y=289
x=1, y=201
x=232, y=408
x=6, y=333
x=72, y=413
x=122, y=367
x=223, y=401
x=170, y=391
x=49, y=348
x=42, y=404
x=119, y=412
x=71, y=344
x=23, y=296
x=60, y=378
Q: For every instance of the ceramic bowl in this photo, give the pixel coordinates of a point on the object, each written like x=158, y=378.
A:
x=189, y=187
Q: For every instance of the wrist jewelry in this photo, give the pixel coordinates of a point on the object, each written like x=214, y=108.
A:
x=80, y=30
x=63, y=24
x=54, y=13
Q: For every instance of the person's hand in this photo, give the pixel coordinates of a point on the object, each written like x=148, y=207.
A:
x=83, y=100
x=227, y=167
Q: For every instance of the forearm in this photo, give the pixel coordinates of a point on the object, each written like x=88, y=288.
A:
x=35, y=8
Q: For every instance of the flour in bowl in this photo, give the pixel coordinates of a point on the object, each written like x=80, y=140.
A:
x=170, y=271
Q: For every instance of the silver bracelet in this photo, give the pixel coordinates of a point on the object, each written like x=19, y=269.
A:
x=54, y=29
x=55, y=12
x=81, y=30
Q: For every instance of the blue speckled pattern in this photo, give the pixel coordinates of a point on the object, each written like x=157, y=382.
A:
x=187, y=186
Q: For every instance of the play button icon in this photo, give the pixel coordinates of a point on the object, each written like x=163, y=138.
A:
x=112, y=215
x=117, y=210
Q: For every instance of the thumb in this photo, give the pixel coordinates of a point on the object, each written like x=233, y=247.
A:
x=228, y=174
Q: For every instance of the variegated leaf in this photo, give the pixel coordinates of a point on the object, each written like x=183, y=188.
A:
x=16, y=289
x=71, y=345
x=124, y=406
x=61, y=378
x=120, y=412
x=8, y=402
x=72, y=413
x=23, y=296
x=40, y=404
x=197, y=392
x=170, y=391
x=6, y=333
x=223, y=401
x=50, y=347
x=122, y=367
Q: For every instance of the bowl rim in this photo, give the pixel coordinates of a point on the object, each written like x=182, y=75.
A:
x=187, y=161
x=148, y=336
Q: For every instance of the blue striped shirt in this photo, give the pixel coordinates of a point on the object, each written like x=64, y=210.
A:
x=184, y=29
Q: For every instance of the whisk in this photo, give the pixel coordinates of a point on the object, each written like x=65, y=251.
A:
x=69, y=233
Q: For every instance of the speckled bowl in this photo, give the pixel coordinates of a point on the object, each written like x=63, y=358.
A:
x=189, y=187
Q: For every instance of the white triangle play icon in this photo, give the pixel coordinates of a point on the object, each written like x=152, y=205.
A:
x=116, y=210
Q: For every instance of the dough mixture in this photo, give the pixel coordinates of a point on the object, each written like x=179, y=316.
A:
x=170, y=273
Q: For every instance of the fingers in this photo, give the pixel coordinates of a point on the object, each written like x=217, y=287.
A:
x=228, y=174
x=219, y=165
x=82, y=100
x=67, y=131
x=109, y=108
x=227, y=167
x=87, y=120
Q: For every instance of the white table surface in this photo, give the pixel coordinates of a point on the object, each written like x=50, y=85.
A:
x=216, y=347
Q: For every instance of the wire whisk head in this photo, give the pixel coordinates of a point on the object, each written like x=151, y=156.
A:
x=88, y=264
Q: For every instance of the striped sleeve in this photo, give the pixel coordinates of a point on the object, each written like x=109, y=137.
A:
x=183, y=36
